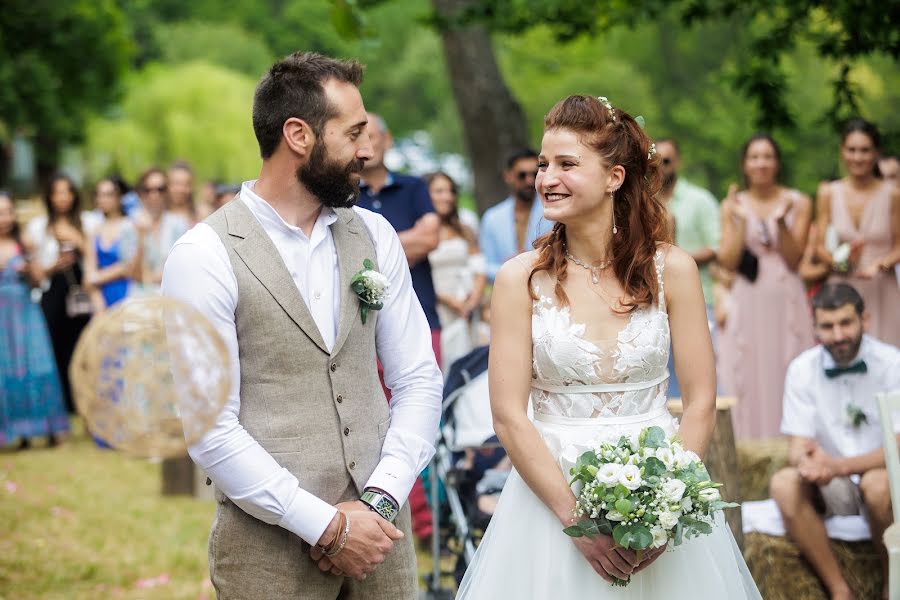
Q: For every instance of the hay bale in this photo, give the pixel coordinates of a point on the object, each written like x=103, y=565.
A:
x=757, y=461
x=783, y=574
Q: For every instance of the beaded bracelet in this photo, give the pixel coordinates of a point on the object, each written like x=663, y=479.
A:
x=344, y=536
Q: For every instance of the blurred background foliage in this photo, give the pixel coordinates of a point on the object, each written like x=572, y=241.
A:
x=135, y=83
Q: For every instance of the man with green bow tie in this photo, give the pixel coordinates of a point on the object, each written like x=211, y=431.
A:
x=830, y=414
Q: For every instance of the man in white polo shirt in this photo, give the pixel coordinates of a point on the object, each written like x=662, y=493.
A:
x=830, y=413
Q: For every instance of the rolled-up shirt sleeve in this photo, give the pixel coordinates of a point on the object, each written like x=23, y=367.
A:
x=198, y=272
x=403, y=343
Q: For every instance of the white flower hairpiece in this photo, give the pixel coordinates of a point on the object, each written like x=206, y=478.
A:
x=605, y=102
x=652, y=152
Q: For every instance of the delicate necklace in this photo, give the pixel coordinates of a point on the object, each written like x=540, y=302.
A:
x=595, y=270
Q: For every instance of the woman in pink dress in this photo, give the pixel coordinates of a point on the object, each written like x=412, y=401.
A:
x=764, y=231
x=861, y=216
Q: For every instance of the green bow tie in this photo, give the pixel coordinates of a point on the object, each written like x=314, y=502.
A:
x=857, y=367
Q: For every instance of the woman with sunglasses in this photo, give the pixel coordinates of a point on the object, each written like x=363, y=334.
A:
x=157, y=230
x=859, y=217
x=768, y=323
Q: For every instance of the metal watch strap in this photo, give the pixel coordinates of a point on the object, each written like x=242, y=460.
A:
x=381, y=503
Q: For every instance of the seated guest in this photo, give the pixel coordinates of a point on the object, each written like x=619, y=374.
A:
x=830, y=413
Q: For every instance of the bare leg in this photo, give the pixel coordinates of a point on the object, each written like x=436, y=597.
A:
x=794, y=497
x=877, y=496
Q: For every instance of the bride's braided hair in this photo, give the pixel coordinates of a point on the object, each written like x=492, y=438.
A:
x=639, y=214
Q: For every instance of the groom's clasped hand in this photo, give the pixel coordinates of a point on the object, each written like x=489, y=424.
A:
x=369, y=540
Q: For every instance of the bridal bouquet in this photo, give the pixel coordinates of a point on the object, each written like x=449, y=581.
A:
x=644, y=492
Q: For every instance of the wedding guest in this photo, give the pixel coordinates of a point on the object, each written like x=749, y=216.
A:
x=863, y=211
x=224, y=194
x=831, y=415
x=206, y=205
x=511, y=226
x=695, y=214
x=31, y=398
x=57, y=242
x=814, y=267
x=156, y=231
x=458, y=271
x=108, y=267
x=889, y=166
x=403, y=200
x=181, y=192
x=764, y=230
x=694, y=222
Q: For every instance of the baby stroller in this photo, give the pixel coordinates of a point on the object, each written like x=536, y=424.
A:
x=463, y=468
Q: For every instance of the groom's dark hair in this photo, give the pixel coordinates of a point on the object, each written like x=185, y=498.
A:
x=294, y=87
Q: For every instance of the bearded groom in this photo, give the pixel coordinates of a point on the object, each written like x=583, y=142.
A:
x=312, y=466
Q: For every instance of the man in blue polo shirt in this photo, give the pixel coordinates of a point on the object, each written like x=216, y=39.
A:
x=404, y=201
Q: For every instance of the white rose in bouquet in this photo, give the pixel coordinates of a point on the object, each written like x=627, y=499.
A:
x=660, y=536
x=682, y=459
x=673, y=490
x=630, y=477
x=668, y=519
x=687, y=505
x=608, y=474
x=666, y=456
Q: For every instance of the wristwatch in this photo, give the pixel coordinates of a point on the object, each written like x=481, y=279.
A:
x=381, y=503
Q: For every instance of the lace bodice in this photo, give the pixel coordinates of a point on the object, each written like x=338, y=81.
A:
x=627, y=375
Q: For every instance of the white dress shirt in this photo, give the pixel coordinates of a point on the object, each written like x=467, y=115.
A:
x=198, y=271
x=816, y=407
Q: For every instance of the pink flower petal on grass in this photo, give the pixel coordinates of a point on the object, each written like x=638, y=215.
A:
x=11, y=487
x=151, y=582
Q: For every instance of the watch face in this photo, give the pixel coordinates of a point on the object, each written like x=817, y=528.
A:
x=385, y=507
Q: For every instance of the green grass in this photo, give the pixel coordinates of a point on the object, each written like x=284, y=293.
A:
x=77, y=522
x=80, y=522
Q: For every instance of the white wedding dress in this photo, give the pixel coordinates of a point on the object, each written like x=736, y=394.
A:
x=582, y=391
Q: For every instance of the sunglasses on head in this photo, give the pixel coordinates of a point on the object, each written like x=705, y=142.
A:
x=159, y=190
x=523, y=175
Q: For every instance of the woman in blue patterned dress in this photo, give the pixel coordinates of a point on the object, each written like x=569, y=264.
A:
x=31, y=400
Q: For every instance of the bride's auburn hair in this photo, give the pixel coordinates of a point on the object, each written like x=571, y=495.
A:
x=640, y=216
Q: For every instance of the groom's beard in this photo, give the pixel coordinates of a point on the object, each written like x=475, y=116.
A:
x=330, y=182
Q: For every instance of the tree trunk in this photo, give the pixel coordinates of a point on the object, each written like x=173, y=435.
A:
x=493, y=121
x=5, y=160
x=46, y=151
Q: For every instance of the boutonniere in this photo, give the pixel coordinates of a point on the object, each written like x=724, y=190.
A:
x=856, y=416
x=371, y=287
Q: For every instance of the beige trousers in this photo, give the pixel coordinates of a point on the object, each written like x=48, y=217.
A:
x=252, y=560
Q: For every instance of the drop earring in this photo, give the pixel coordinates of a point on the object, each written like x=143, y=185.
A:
x=612, y=198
